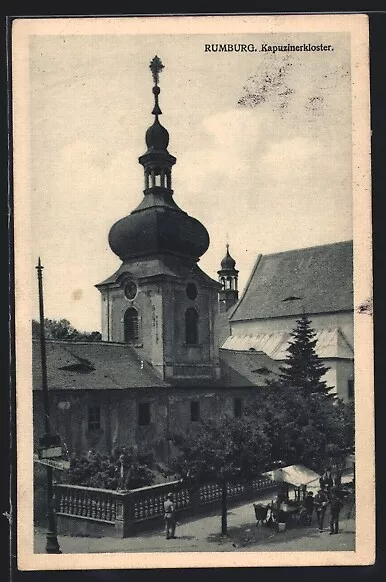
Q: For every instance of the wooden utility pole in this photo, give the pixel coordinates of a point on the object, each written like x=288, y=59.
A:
x=52, y=545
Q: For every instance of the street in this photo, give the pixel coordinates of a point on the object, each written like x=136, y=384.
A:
x=203, y=535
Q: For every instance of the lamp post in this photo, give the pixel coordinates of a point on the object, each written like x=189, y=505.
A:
x=52, y=544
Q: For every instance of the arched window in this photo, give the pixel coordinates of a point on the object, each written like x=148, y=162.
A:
x=222, y=281
x=191, y=326
x=131, y=325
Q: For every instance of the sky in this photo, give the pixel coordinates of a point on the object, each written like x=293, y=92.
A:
x=263, y=147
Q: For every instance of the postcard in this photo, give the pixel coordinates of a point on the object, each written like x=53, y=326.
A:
x=193, y=291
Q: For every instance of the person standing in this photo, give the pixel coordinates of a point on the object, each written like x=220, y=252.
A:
x=336, y=505
x=170, y=517
x=320, y=501
x=329, y=482
x=309, y=506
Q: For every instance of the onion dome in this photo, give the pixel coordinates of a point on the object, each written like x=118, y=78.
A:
x=157, y=137
x=228, y=263
x=158, y=225
x=158, y=229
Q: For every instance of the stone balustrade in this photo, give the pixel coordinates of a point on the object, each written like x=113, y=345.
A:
x=98, y=512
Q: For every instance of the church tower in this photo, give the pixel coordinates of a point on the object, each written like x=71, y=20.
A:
x=228, y=279
x=159, y=301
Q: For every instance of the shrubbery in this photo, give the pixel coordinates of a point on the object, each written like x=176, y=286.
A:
x=121, y=470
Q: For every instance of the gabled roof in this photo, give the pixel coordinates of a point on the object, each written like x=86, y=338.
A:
x=314, y=280
x=330, y=343
x=110, y=366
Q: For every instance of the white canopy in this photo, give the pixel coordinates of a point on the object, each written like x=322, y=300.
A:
x=294, y=474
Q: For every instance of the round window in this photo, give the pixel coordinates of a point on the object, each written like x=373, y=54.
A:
x=130, y=290
x=191, y=291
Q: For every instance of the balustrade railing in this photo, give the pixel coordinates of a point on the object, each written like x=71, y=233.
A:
x=88, y=502
x=123, y=510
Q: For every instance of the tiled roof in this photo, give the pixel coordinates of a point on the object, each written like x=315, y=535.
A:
x=107, y=366
x=314, y=280
x=247, y=367
x=92, y=365
x=222, y=328
x=331, y=343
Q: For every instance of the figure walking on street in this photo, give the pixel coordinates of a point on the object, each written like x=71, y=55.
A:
x=321, y=501
x=336, y=505
x=170, y=517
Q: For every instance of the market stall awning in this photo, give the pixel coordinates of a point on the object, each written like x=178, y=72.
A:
x=293, y=474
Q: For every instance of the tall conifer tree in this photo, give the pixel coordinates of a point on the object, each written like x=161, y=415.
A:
x=303, y=369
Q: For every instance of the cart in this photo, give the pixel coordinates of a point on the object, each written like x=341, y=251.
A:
x=293, y=513
x=260, y=513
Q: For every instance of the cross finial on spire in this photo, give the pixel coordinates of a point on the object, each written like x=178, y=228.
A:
x=39, y=266
x=156, y=67
x=227, y=241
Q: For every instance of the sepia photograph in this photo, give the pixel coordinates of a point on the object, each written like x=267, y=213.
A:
x=193, y=291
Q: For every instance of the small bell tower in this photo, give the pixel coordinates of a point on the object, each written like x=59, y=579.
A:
x=159, y=301
x=228, y=279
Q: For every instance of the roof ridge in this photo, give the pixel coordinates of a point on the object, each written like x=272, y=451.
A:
x=250, y=278
x=324, y=245
x=248, y=351
x=82, y=343
x=343, y=336
x=320, y=275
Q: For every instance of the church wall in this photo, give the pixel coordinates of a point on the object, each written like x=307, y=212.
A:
x=148, y=303
x=168, y=323
x=182, y=352
x=68, y=417
x=105, y=306
x=331, y=376
x=170, y=410
x=162, y=332
x=345, y=372
x=214, y=345
x=118, y=306
x=153, y=325
x=338, y=375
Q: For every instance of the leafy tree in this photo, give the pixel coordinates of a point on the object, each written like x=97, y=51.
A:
x=303, y=421
x=221, y=451
x=313, y=429
x=61, y=329
x=122, y=469
x=343, y=441
x=303, y=368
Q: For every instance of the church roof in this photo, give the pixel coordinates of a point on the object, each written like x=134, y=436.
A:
x=314, y=280
x=92, y=365
x=164, y=266
x=330, y=344
x=247, y=367
x=110, y=366
x=222, y=327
